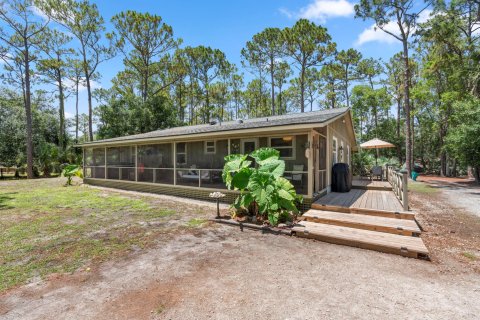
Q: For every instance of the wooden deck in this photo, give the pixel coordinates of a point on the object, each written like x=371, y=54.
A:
x=368, y=184
x=359, y=198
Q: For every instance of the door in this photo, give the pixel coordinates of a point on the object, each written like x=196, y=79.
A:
x=248, y=145
x=319, y=162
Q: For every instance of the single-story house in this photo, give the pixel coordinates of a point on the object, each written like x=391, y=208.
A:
x=188, y=161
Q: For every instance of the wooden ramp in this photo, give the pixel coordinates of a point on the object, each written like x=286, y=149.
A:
x=366, y=222
x=363, y=218
x=412, y=247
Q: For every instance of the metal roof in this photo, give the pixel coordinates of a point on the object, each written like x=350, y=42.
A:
x=314, y=117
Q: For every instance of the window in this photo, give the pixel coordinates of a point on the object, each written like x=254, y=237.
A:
x=348, y=155
x=181, y=153
x=210, y=147
x=334, y=150
x=284, y=145
x=341, y=152
x=248, y=145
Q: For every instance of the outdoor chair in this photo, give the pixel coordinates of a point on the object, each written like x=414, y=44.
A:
x=296, y=177
x=193, y=174
x=377, y=171
x=365, y=173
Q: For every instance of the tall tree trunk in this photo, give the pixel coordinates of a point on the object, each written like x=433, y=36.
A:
x=346, y=87
x=207, y=101
x=90, y=108
x=399, y=148
x=302, y=90
x=191, y=102
x=89, y=93
x=145, y=86
x=272, y=79
x=61, y=110
x=375, y=110
x=408, y=138
x=76, y=110
x=28, y=113
x=280, y=104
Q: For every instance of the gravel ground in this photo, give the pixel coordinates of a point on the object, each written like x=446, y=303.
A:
x=461, y=193
x=221, y=273
x=218, y=272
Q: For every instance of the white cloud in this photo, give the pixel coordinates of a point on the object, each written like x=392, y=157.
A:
x=69, y=115
x=425, y=15
x=38, y=12
x=82, y=86
x=375, y=34
x=321, y=10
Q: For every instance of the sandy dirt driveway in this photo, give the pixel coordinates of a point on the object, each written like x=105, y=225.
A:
x=218, y=272
x=461, y=193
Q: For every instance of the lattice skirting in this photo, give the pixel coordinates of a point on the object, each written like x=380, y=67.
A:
x=185, y=192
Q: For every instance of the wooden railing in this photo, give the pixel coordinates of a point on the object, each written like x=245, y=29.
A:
x=399, y=182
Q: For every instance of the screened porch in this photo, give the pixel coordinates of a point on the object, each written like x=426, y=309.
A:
x=192, y=163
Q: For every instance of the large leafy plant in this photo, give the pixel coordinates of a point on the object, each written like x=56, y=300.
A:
x=70, y=171
x=259, y=178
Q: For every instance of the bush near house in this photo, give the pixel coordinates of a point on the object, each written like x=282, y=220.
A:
x=259, y=178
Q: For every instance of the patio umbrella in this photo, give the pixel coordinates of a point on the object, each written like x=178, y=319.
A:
x=376, y=144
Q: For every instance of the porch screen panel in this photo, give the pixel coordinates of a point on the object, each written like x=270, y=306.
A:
x=95, y=163
x=203, y=164
x=155, y=163
x=121, y=163
x=296, y=169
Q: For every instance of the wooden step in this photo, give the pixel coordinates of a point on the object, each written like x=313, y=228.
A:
x=412, y=247
x=366, y=222
x=372, y=212
x=379, y=188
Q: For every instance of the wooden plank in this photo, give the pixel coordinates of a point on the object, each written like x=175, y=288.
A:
x=383, y=213
x=357, y=201
x=378, y=196
x=366, y=222
x=386, y=204
x=366, y=239
x=319, y=206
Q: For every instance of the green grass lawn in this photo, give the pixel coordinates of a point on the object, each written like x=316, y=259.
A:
x=420, y=187
x=47, y=227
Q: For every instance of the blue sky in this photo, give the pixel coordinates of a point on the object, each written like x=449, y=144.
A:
x=228, y=25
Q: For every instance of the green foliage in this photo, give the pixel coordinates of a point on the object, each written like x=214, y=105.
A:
x=131, y=115
x=70, y=171
x=464, y=142
x=262, y=185
x=308, y=45
x=142, y=38
x=48, y=156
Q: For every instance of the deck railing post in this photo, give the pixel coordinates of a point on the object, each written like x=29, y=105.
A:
x=105, y=169
x=405, y=191
x=136, y=163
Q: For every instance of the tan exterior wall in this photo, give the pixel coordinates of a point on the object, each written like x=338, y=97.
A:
x=340, y=128
x=342, y=131
x=185, y=192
